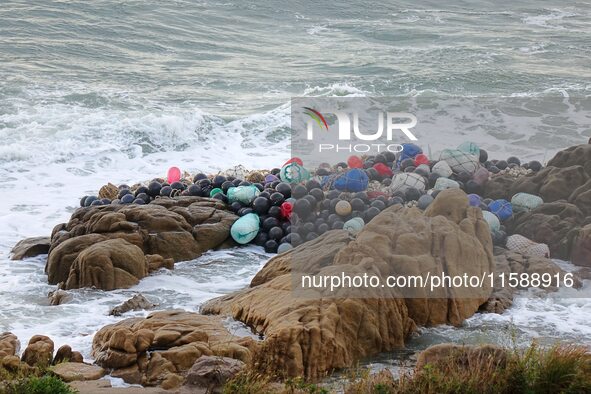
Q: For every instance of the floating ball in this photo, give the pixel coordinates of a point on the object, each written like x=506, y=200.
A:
x=245, y=211
x=269, y=223
x=483, y=157
x=199, y=177
x=261, y=238
x=166, y=191
x=379, y=204
x=82, y=201
x=322, y=228
x=154, y=189
x=127, y=199
x=299, y=191
x=144, y=197
x=195, y=190
x=261, y=205
x=412, y=194
x=123, y=192
x=502, y=164
x=421, y=159
x=357, y=204
x=371, y=213
x=407, y=163
x=302, y=207
x=424, y=201
x=494, y=169
x=338, y=224
x=474, y=200
x=284, y=247
x=275, y=211
x=140, y=190
x=276, y=233
x=534, y=165
x=139, y=201
x=354, y=225
x=271, y=246
x=343, y=208
x=514, y=160
x=313, y=184
x=215, y=191
x=284, y=188
x=355, y=162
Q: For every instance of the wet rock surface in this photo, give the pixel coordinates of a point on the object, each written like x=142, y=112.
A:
x=114, y=246
x=310, y=336
x=30, y=247
x=160, y=349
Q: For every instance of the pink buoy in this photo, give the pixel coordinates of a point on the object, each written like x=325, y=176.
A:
x=174, y=175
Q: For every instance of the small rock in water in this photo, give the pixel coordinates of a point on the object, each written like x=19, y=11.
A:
x=135, y=303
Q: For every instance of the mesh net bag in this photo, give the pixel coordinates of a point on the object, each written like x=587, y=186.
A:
x=243, y=194
x=445, y=183
x=238, y=172
x=246, y=228
x=470, y=147
x=524, y=202
x=521, y=244
x=294, y=173
x=404, y=181
x=354, y=180
x=502, y=208
x=443, y=169
x=460, y=161
x=492, y=220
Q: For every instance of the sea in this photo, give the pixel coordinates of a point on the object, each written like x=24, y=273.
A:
x=112, y=91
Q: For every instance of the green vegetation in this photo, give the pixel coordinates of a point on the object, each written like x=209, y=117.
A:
x=46, y=384
x=559, y=369
x=23, y=379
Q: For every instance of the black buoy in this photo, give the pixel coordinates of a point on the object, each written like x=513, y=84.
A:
x=535, y=165
x=123, y=192
x=483, y=156
x=82, y=200
x=261, y=205
x=299, y=191
x=276, y=233
x=271, y=246
x=284, y=188
x=195, y=190
x=199, y=177
x=127, y=199
x=154, y=189
x=412, y=194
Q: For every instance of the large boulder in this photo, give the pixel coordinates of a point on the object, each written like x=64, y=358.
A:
x=30, y=247
x=66, y=354
x=211, y=373
x=567, y=177
x=581, y=254
x=69, y=372
x=552, y=183
x=554, y=224
x=309, y=332
x=9, y=345
x=161, y=348
x=180, y=228
x=108, y=265
x=39, y=351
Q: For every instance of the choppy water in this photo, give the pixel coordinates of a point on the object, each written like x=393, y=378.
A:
x=102, y=91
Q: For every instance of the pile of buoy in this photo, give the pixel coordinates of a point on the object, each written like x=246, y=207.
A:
x=284, y=207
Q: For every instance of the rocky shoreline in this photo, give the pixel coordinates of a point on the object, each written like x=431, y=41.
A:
x=451, y=218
